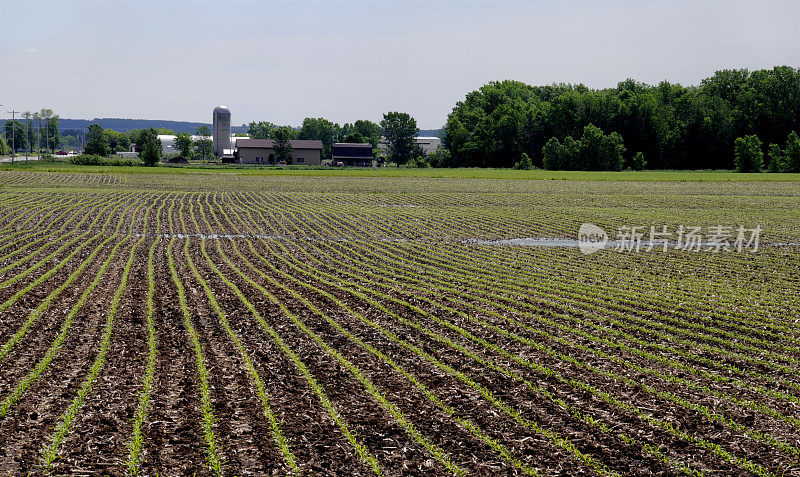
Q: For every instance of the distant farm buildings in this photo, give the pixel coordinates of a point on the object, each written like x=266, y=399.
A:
x=244, y=150
x=352, y=154
x=262, y=151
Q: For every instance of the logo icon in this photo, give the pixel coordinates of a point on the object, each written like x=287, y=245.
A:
x=591, y=238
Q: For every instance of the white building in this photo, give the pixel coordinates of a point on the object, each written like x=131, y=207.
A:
x=428, y=144
x=168, y=143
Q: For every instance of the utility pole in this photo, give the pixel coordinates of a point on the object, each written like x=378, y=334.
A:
x=27, y=116
x=38, y=118
x=13, y=134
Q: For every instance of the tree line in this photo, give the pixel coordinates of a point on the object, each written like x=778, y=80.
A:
x=104, y=142
x=664, y=126
x=37, y=131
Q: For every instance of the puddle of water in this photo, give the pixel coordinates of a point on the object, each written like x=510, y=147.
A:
x=611, y=244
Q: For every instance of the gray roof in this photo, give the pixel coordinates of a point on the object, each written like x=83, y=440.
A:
x=269, y=143
x=221, y=109
x=354, y=144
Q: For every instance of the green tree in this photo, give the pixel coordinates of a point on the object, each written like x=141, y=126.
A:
x=45, y=114
x=151, y=147
x=355, y=138
x=52, y=131
x=594, y=151
x=203, y=131
x=600, y=152
x=261, y=130
x=400, y=130
x=132, y=138
x=672, y=125
x=15, y=135
x=553, y=155
x=283, y=146
x=419, y=162
x=323, y=130
x=441, y=157
x=558, y=156
x=117, y=141
x=29, y=136
x=370, y=131
x=571, y=154
x=204, y=148
x=183, y=141
x=97, y=141
x=639, y=162
x=496, y=124
x=792, y=153
x=775, y=162
x=4, y=149
x=525, y=163
x=748, y=154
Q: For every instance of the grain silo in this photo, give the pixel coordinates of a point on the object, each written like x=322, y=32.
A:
x=222, y=130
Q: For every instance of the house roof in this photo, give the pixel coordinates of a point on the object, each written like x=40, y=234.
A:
x=269, y=143
x=344, y=150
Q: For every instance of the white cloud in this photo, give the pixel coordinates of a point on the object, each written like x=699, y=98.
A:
x=32, y=51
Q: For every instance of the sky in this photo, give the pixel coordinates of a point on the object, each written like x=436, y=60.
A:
x=282, y=61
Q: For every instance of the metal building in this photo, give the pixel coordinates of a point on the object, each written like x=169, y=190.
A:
x=222, y=131
x=352, y=154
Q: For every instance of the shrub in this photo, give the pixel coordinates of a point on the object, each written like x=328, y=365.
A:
x=594, y=151
x=88, y=160
x=441, y=157
x=204, y=148
x=639, y=162
x=553, y=157
x=97, y=141
x=183, y=141
x=599, y=151
x=748, y=154
x=95, y=160
x=151, y=147
x=525, y=163
x=775, y=163
x=791, y=153
x=419, y=162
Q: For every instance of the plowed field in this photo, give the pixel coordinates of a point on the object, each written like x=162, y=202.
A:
x=207, y=324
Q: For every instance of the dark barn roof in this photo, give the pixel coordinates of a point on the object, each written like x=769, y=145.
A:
x=269, y=143
x=351, y=150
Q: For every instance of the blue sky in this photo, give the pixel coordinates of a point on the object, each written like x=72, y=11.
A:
x=282, y=61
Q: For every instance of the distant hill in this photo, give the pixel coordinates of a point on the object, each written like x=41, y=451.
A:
x=122, y=125
x=430, y=133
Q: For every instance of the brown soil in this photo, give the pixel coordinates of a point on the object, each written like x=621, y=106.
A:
x=96, y=442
